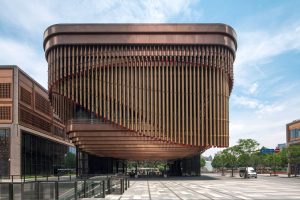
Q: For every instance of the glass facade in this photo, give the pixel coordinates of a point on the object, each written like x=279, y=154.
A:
x=41, y=156
x=295, y=133
x=4, y=151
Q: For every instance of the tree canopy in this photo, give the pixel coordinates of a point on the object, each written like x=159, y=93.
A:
x=246, y=153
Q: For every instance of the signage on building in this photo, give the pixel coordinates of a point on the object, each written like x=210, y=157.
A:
x=266, y=151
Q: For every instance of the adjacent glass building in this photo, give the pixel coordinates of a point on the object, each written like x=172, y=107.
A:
x=33, y=139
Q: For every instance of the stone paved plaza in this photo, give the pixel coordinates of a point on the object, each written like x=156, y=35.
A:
x=212, y=187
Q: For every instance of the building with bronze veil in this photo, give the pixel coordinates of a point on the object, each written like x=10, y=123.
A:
x=142, y=91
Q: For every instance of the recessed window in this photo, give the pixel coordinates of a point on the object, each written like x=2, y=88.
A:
x=5, y=113
x=42, y=104
x=5, y=90
x=25, y=96
x=295, y=133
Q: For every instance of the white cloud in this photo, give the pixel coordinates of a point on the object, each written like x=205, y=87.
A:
x=253, y=88
x=245, y=101
x=265, y=122
x=270, y=109
x=256, y=105
x=259, y=47
x=31, y=18
x=26, y=57
x=34, y=16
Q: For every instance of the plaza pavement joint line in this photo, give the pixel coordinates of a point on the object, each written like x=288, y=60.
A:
x=215, y=190
x=149, y=190
x=170, y=190
x=207, y=196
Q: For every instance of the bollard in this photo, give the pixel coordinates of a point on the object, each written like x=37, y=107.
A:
x=75, y=190
x=11, y=191
x=37, y=189
x=121, y=186
x=108, y=186
x=84, y=188
x=103, y=189
x=56, y=190
x=22, y=190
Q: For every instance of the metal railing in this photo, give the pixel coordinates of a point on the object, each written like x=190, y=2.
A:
x=94, y=186
x=26, y=178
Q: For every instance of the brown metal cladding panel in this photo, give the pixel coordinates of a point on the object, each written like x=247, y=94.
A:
x=171, y=93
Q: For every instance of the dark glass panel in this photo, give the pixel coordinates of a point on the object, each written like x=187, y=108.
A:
x=41, y=156
x=4, y=151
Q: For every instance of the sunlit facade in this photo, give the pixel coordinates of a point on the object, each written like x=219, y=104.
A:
x=142, y=91
x=33, y=139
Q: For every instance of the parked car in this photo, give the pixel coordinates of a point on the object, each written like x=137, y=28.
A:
x=247, y=172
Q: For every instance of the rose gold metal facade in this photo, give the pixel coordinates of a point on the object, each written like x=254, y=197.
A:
x=161, y=91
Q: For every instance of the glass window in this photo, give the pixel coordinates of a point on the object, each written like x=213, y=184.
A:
x=295, y=133
x=41, y=156
x=4, y=151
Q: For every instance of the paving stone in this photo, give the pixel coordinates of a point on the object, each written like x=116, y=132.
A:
x=212, y=187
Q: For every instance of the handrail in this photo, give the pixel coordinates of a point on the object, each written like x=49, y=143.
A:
x=78, y=188
x=61, y=178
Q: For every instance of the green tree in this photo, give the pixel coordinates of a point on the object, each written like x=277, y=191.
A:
x=246, y=149
x=293, y=156
x=273, y=160
x=202, y=162
x=256, y=160
x=247, y=145
x=284, y=157
x=244, y=154
x=231, y=157
x=219, y=162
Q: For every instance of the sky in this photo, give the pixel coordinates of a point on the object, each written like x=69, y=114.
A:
x=266, y=92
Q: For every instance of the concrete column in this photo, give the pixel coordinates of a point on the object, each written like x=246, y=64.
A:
x=15, y=134
x=15, y=150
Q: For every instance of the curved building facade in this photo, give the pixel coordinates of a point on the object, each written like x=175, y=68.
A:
x=142, y=91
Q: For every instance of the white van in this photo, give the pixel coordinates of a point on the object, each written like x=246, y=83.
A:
x=247, y=172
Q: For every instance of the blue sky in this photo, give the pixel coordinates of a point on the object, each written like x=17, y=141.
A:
x=266, y=92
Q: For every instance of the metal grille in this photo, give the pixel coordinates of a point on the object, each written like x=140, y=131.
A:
x=28, y=118
x=42, y=104
x=25, y=96
x=162, y=90
x=5, y=112
x=59, y=132
x=5, y=90
x=181, y=97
